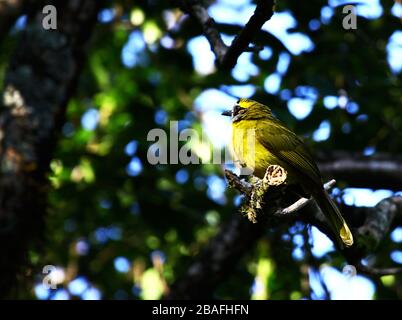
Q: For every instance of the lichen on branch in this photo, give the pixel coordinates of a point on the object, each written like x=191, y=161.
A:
x=256, y=189
x=274, y=176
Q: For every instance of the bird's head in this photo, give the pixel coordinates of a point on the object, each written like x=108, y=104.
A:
x=247, y=109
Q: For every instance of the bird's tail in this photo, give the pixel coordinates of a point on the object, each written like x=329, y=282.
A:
x=337, y=222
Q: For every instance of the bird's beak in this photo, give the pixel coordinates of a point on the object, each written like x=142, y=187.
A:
x=227, y=113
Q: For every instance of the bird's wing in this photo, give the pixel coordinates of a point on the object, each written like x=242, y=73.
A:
x=288, y=147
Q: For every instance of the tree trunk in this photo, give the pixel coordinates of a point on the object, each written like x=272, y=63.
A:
x=41, y=77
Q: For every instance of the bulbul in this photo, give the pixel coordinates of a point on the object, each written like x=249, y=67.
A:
x=274, y=144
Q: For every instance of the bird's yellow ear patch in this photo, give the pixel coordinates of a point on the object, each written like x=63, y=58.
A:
x=245, y=103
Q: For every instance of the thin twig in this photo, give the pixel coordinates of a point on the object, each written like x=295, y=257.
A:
x=235, y=182
x=303, y=201
x=254, y=49
x=378, y=271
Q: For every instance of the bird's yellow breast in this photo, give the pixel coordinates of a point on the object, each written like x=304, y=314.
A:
x=248, y=151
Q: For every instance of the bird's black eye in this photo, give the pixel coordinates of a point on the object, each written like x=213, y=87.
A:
x=236, y=109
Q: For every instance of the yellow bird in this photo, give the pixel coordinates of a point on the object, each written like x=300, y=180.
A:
x=260, y=140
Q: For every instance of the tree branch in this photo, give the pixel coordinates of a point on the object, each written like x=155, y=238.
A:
x=200, y=13
x=378, y=272
x=263, y=12
x=377, y=171
x=378, y=223
x=246, y=188
x=227, y=55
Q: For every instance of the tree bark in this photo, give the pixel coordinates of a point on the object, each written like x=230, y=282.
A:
x=41, y=77
x=376, y=171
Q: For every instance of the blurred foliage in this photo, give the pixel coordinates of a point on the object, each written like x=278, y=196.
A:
x=128, y=229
